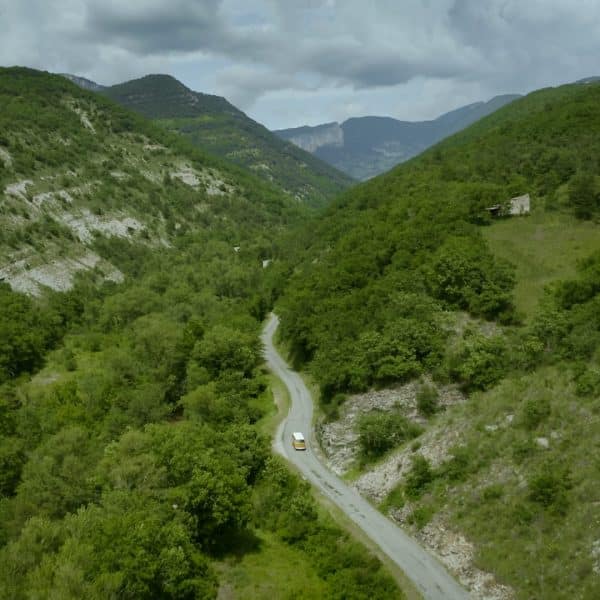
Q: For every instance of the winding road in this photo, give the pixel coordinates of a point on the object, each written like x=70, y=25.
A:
x=426, y=572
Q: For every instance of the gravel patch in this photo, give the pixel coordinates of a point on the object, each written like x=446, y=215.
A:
x=458, y=554
x=83, y=117
x=435, y=446
x=84, y=224
x=339, y=439
x=339, y=442
x=213, y=184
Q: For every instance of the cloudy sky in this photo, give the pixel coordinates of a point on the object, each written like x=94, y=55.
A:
x=294, y=62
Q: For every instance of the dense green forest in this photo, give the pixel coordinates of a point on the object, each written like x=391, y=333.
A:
x=380, y=275
x=409, y=276
x=216, y=126
x=133, y=458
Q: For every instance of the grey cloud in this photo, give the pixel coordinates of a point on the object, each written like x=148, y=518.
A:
x=243, y=85
x=303, y=37
x=283, y=46
x=156, y=26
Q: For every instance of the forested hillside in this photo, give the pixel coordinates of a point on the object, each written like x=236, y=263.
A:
x=409, y=278
x=216, y=126
x=133, y=462
x=75, y=168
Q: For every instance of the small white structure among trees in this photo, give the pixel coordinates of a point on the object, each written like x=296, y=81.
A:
x=520, y=205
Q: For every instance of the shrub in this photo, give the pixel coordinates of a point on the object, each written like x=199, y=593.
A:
x=587, y=381
x=549, y=488
x=534, y=412
x=522, y=449
x=419, y=477
x=461, y=463
x=493, y=492
x=583, y=196
x=427, y=400
x=421, y=515
x=481, y=363
x=331, y=408
x=466, y=275
x=378, y=432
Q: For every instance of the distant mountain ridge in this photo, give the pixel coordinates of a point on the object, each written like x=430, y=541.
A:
x=216, y=126
x=364, y=147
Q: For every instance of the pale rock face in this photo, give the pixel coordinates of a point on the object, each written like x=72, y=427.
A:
x=84, y=224
x=19, y=189
x=339, y=439
x=188, y=176
x=82, y=114
x=325, y=135
x=50, y=198
x=213, y=184
x=57, y=274
x=5, y=158
x=596, y=556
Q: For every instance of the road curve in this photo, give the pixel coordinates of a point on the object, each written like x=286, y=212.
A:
x=427, y=574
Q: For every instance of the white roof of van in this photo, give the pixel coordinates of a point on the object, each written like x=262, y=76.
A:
x=297, y=435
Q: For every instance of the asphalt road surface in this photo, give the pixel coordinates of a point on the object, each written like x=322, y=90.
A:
x=426, y=572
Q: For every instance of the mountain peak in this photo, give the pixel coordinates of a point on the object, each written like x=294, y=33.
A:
x=154, y=79
x=161, y=96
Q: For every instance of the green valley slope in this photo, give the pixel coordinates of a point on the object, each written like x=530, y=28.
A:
x=408, y=279
x=213, y=124
x=133, y=402
x=75, y=168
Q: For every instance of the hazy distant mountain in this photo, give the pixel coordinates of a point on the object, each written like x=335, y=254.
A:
x=215, y=125
x=364, y=147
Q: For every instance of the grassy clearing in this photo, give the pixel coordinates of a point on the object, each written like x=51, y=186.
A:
x=354, y=472
x=275, y=570
x=275, y=404
x=529, y=433
x=544, y=247
x=499, y=514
